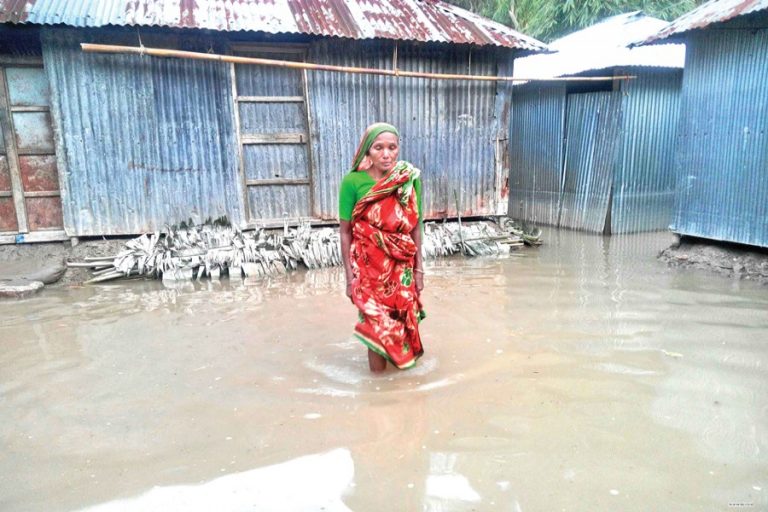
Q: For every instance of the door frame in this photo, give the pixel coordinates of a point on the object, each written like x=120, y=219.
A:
x=288, y=48
x=7, y=131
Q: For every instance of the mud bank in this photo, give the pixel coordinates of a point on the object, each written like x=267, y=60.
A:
x=737, y=261
x=42, y=255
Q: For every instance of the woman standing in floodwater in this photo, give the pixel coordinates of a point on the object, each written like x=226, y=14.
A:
x=380, y=212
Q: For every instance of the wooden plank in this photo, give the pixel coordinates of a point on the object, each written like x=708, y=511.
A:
x=276, y=181
x=36, y=152
x=6, y=126
x=59, y=148
x=291, y=221
x=310, y=161
x=43, y=193
x=29, y=108
x=240, y=159
x=38, y=236
x=274, y=138
x=6, y=194
x=20, y=61
x=270, y=99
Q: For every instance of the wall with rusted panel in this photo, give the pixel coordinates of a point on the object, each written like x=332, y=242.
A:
x=30, y=203
x=8, y=220
x=449, y=129
x=143, y=142
x=722, y=158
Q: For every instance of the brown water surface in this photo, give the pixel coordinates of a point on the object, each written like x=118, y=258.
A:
x=580, y=376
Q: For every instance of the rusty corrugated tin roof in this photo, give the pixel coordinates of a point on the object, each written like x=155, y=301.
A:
x=715, y=11
x=414, y=20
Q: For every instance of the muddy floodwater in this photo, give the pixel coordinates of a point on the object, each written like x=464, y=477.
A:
x=580, y=376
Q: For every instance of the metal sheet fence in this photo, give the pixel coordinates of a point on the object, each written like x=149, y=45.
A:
x=644, y=182
x=722, y=192
x=592, y=135
x=449, y=129
x=536, y=153
x=147, y=141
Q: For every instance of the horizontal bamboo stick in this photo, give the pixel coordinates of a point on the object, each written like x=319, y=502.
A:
x=160, y=52
x=85, y=264
x=106, y=277
x=104, y=271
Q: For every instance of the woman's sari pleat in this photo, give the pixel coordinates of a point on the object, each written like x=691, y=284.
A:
x=383, y=252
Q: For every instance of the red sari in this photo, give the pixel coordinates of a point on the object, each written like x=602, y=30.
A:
x=382, y=257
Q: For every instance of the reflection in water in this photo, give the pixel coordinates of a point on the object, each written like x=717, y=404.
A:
x=310, y=483
x=445, y=486
x=582, y=375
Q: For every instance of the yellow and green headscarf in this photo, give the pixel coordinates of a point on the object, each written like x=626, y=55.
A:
x=369, y=136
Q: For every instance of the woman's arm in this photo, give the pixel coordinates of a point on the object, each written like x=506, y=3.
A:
x=345, y=232
x=418, y=267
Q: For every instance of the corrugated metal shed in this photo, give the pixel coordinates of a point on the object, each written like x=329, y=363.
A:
x=449, y=129
x=644, y=181
x=591, y=160
x=714, y=11
x=722, y=192
x=136, y=152
x=569, y=171
x=602, y=46
x=411, y=20
x=135, y=161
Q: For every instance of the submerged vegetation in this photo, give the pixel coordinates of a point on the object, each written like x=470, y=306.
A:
x=188, y=251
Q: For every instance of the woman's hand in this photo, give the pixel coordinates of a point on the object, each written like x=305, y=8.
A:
x=349, y=290
x=419, y=278
x=345, y=233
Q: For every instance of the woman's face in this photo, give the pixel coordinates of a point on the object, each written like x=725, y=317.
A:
x=384, y=151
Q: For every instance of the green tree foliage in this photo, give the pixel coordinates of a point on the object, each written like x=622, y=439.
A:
x=550, y=19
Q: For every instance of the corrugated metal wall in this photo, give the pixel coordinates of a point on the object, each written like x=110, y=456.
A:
x=146, y=141
x=274, y=137
x=644, y=182
x=722, y=159
x=152, y=141
x=448, y=128
x=624, y=165
x=536, y=153
x=593, y=124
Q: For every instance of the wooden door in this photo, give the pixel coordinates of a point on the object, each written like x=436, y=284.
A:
x=30, y=199
x=272, y=125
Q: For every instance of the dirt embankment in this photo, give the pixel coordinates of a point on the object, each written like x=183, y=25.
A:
x=25, y=258
x=739, y=261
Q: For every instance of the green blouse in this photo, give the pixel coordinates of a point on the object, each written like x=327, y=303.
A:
x=355, y=185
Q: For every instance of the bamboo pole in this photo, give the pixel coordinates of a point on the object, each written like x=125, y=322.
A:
x=160, y=52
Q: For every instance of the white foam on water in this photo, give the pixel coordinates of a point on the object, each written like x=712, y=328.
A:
x=451, y=487
x=309, y=483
